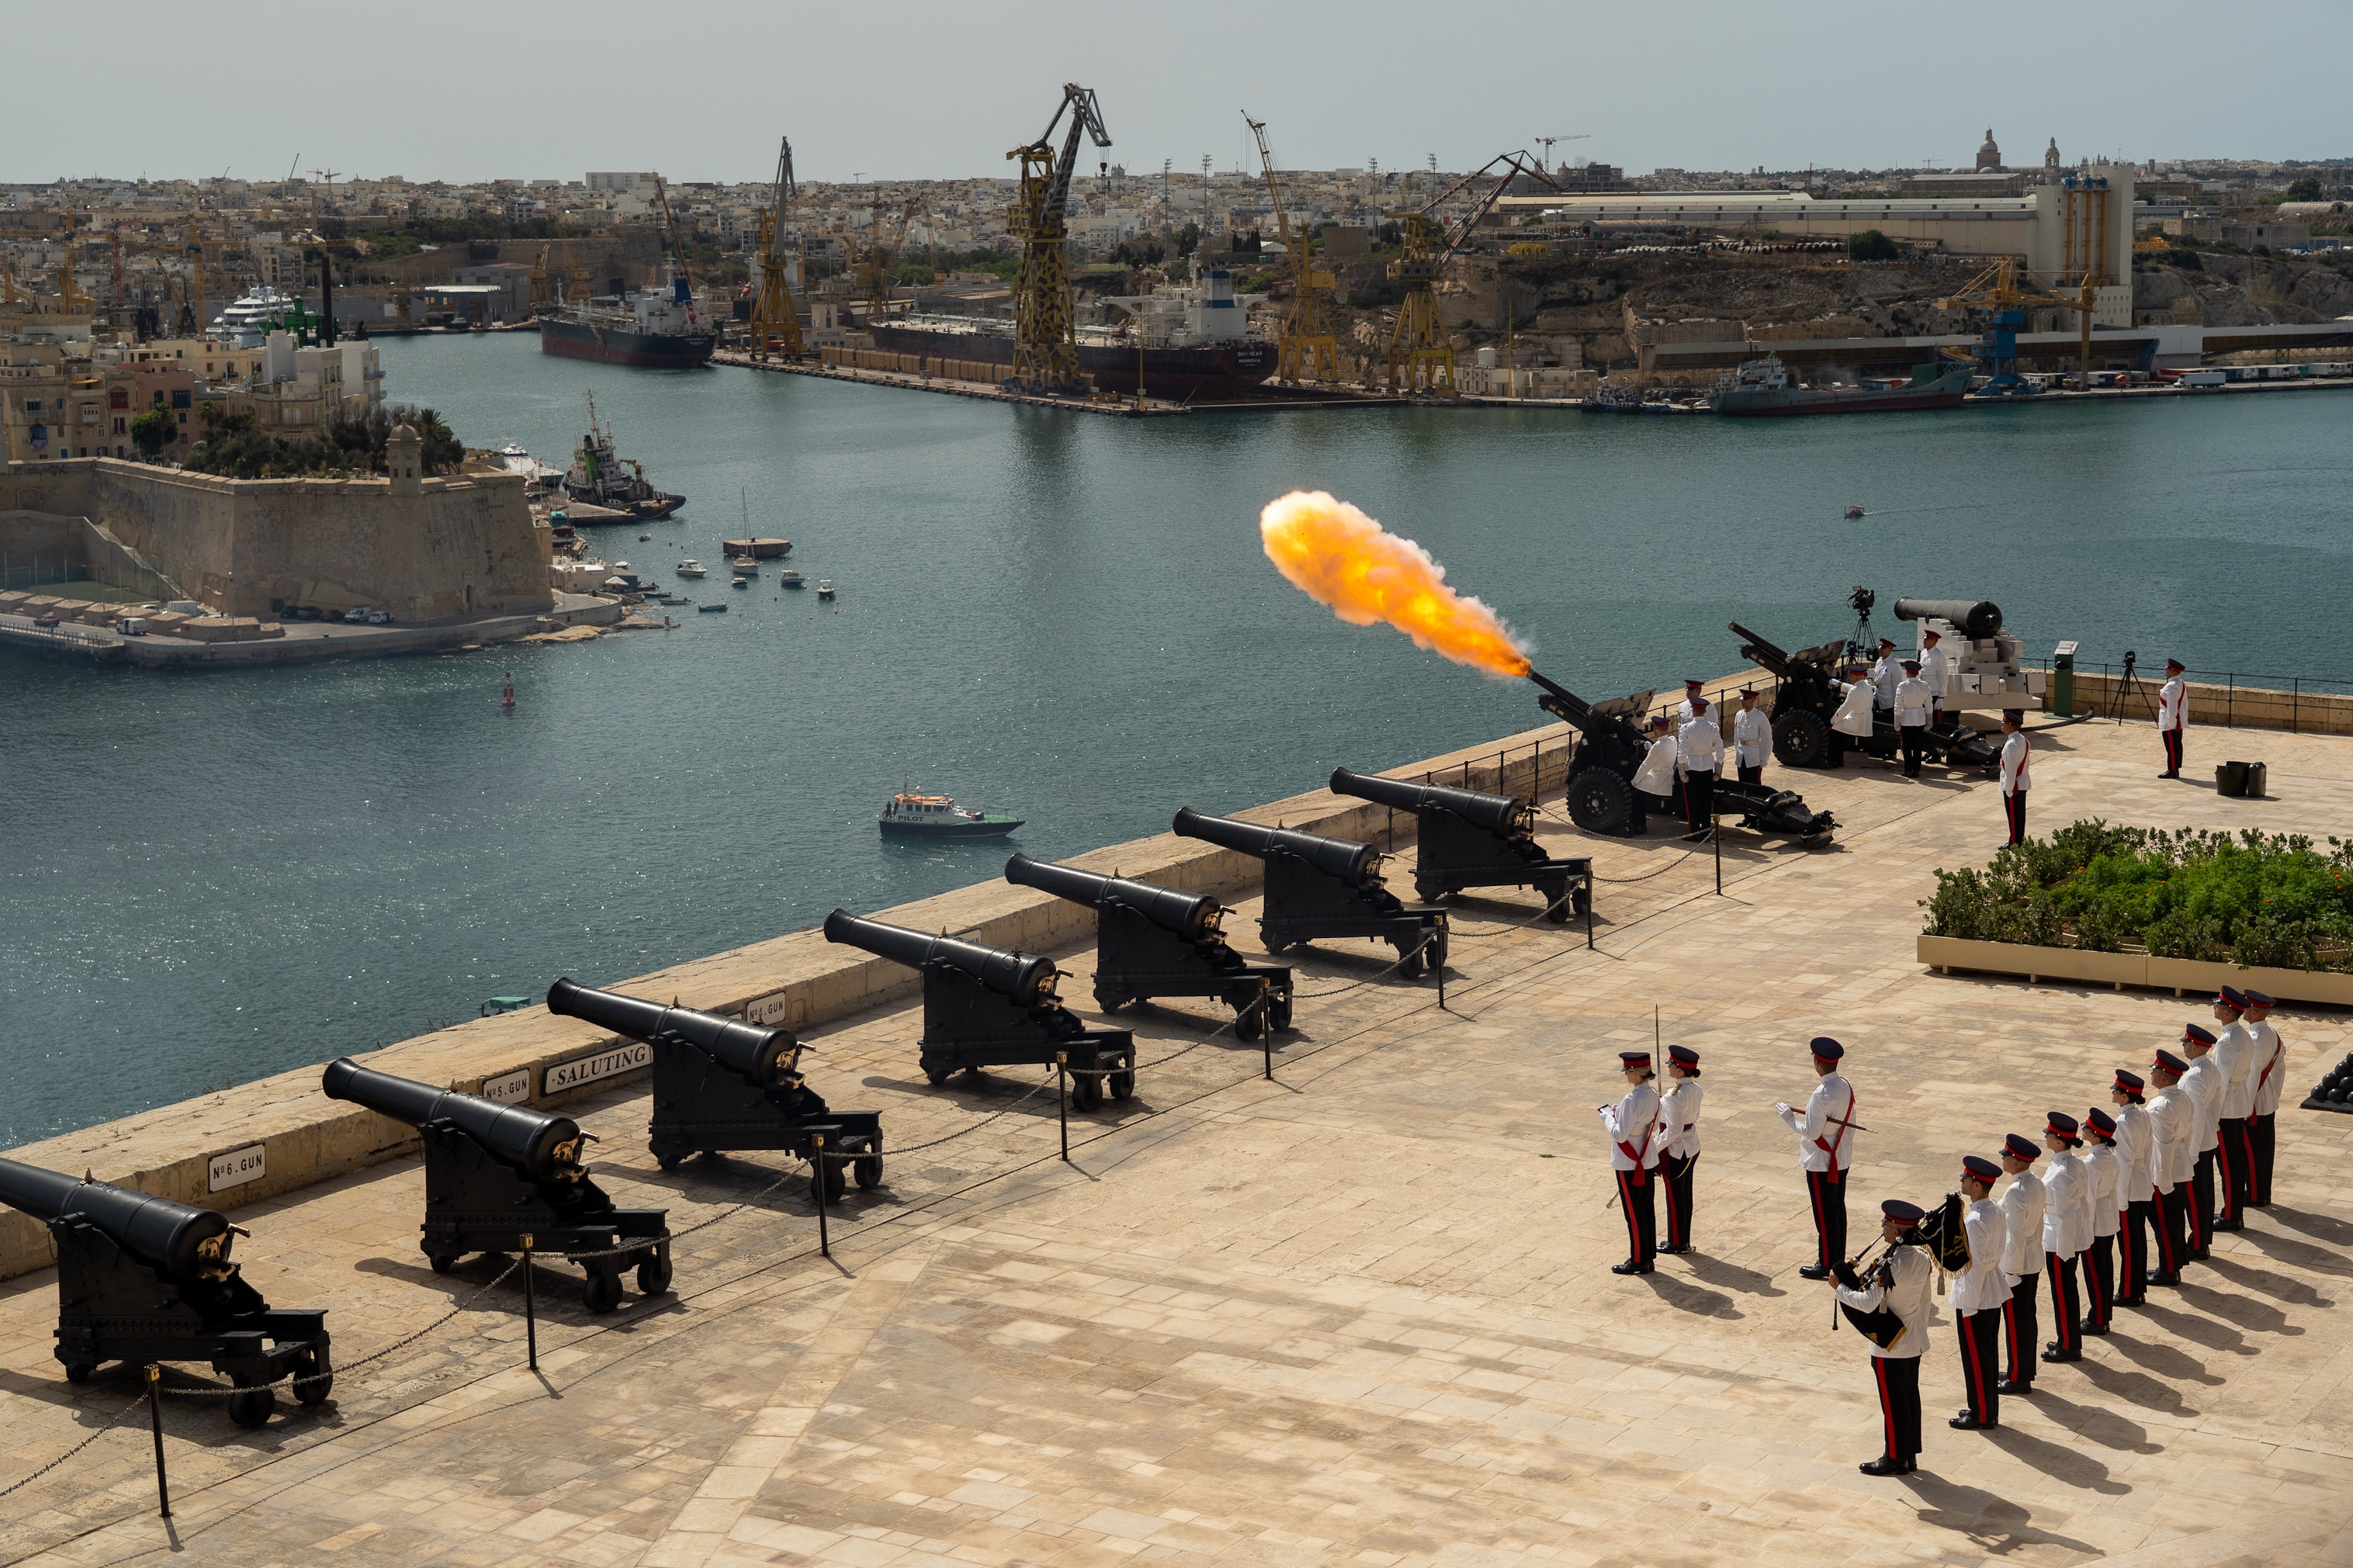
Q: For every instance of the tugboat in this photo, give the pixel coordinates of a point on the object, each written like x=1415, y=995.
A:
x=913, y=815
x=598, y=478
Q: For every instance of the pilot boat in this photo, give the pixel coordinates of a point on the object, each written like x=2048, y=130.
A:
x=915, y=815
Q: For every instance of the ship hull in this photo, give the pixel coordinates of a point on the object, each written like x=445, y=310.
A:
x=1227, y=370
x=1772, y=403
x=608, y=345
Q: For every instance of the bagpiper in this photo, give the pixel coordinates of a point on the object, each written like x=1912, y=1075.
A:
x=1825, y=1150
x=1633, y=1127
x=1895, y=1294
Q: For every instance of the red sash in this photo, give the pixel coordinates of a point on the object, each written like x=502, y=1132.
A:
x=1642, y=1172
x=1832, y=1173
x=2278, y=1050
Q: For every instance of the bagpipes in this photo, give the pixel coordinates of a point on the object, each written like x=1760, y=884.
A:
x=1943, y=1234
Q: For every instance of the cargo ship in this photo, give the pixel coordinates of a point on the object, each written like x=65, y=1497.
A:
x=1761, y=388
x=1195, y=342
x=662, y=327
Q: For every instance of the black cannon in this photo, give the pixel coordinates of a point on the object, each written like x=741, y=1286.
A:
x=496, y=1173
x=1804, y=701
x=142, y=1279
x=1469, y=840
x=1157, y=941
x=989, y=1006
x=1317, y=886
x=1975, y=619
x=1602, y=795
x=721, y=1085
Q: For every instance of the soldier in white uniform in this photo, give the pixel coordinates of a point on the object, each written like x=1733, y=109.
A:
x=2021, y=1258
x=1978, y=1292
x=1632, y=1125
x=1656, y=775
x=1934, y=667
x=1679, y=1142
x=1899, y=1285
x=1886, y=674
x=2066, y=1231
x=1693, y=690
x=2172, y=716
x=2234, y=1060
x=2203, y=1084
x=2103, y=1169
x=2173, y=1128
x=2270, y=1078
x=1914, y=706
x=1752, y=738
x=1699, y=744
x=2014, y=780
x=1856, y=694
x=2136, y=1187
x=1825, y=1150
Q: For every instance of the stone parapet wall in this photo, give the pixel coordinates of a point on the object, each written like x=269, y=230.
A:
x=2224, y=704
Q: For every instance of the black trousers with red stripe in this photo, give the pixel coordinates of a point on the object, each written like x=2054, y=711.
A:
x=2234, y=1151
x=2201, y=1191
x=2013, y=806
x=2067, y=1303
x=1899, y=1404
x=2172, y=1228
x=2172, y=750
x=1751, y=775
x=1678, y=1174
x=2099, y=1282
x=2260, y=1141
x=2018, y=1329
x=2132, y=1253
x=1981, y=1362
x=1634, y=1196
x=1827, y=1190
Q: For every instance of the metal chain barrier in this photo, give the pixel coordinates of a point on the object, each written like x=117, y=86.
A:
x=1035, y=1090
x=112, y=1422
x=1507, y=927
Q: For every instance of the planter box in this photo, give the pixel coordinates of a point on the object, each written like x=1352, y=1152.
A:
x=2182, y=976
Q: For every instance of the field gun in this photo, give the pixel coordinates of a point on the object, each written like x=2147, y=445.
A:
x=1152, y=940
x=991, y=1006
x=1316, y=887
x=722, y=1085
x=1469, y=840
x=142, y=1279
x=496, y=1173
x=1805, y=701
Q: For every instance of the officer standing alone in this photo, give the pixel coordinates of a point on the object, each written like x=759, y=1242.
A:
x=2014, y=780
x=1825, y=1150
x=2172, y=716
x=1978, y=1292
x=1679, y=1142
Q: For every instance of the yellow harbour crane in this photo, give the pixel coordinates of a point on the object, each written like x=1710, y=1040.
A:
x=541, y=293
x=69, y=294
x=1999, y=294
x=878, y=267
x=1421, y=355
x=1308, y=330
x=1045, y=342
x=776, y=319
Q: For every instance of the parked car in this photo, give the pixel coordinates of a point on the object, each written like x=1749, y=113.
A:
x=46, y=618
x=378, y=618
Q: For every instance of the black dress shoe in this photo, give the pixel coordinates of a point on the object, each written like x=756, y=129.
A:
x=1886, y=1464
x=1965, y=1422
x=2095, y=1330
x=1629, y=1267
x=1673, y=1251
x=2230, y=1225
x=2053, y=1353
x=2158, y=1276
x=1814, y=1271
x=2012, y=1386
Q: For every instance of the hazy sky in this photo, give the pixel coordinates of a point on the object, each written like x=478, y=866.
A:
x=429, y=89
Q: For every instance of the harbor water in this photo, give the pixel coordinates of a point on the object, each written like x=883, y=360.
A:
x=217, y=876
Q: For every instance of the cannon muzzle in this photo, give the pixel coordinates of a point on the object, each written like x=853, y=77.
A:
x=1510, y=816
x=762, y=1055
x=1973, y=618
x=1358, y=864
x=1025, y=979
x=183, y=1244
x=1195, y=917
x=542, y=1147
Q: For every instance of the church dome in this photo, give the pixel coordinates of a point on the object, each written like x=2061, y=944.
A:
x=1988, y=154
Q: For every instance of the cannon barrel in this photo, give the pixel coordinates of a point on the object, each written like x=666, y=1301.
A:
x=739, y=1046
x=1358, y=864
x=1193, y=916
x=1026, y=978
x=1771, y=656
x=1509, y=814
x=169, y=1236
x=542, y=1147
x=1561, y=701
x=1973, y=618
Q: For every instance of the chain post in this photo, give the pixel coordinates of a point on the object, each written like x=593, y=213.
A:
x=155, y=1420
x=530, y=1306
x=1266, y=1028
x=1063, y=1099
x=1715, y=837
x=824, y=1241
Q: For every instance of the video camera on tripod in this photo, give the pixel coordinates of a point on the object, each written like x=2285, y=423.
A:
x=1862, y=645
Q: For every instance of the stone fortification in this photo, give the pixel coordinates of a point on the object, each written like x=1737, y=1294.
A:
x=424, y=548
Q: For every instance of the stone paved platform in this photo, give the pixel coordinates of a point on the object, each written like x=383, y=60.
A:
x=1360, y=1314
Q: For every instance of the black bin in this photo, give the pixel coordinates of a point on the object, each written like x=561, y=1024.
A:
x=2258, y=777
x=2231, y=778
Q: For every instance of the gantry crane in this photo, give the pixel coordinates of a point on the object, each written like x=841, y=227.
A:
x=1307, y=331
x=776, y=319
x=72, y=301
x=1420, y=354
x=1045, y=345
x=678, y=246
x=878, y=268
x=1997, y=292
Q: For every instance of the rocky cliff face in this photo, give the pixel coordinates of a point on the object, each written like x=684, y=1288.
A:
x=2220, y=291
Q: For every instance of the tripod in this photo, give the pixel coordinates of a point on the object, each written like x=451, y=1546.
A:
x=2130, y=685
x=1862, y=644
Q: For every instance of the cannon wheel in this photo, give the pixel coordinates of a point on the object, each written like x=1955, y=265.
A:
x=1086, y=1091
x=1801, y=740
x=1559, y=903
x=835, y=1174
x=80, y=1370
x=1109, y=1001
x=1410, y=961
x=1123, y=1084
x=1278, y=1014
x=669, y=1160
x=868, y=1167
x=313, y=1363
x=654, y=1274
x=602, y=1289
x=1249, y=1020
x=249, y=1406
x=442, y=1262
x=937, y=1075
x=1600, y=801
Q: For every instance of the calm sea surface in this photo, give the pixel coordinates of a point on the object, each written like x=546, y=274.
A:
x=211, y=877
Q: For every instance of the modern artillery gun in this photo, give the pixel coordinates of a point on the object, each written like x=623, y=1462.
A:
x=722, y=1085
x=990, y=1007
x=142, y=1279
x=1152, y=940
x=1601, y=795
x=1469, y=840
x=1804, y=701
x=497, y=1174
x=1317, y=886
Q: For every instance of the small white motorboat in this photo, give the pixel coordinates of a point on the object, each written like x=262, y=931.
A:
x=689, y=567
x=788, y=578
x=825, y=587
x=735, y=582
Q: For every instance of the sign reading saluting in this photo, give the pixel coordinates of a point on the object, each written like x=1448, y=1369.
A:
x=580, y=1071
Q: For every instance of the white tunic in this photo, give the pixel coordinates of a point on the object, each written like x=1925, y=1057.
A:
x=2173, y=1123
x=1915, y=702
x=2233, y=1056
x=2270, y=1067
x=1854, y=715
x=1908, y=1298
x=2022, y=1214
x=1656, y=776
x=1826, y=1125
x=2136, y=1145
x=1982, y=1285
x=2066, y=1207
x=1887, y=675
x=1701, y=744
x=2105, y=1168
x=2203, y=1084
x=1935, y=668
x=2014, y=779
x=2173, y=704
x=1752, y=737
x=1679, y=1119
x=1633, y=1127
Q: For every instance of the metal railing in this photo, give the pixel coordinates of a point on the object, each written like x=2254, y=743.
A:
x=2140, y=698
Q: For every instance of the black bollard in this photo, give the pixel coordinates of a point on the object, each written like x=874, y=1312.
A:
x=530, y=1308
x=817, y=1157
x=156, y=1419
